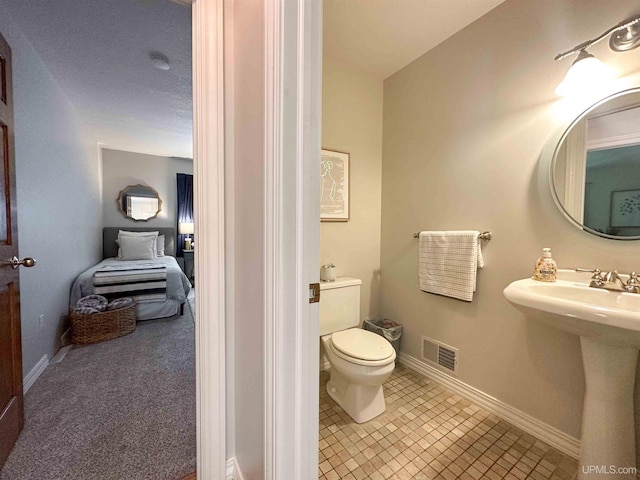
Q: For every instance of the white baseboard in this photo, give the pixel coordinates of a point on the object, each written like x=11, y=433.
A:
x=35, y=372
x=548, y=434
x=65, y=337
x=59, y=356
x=324, y=364
x=233, y=470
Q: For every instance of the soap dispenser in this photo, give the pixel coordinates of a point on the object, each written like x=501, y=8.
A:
x=546, y=268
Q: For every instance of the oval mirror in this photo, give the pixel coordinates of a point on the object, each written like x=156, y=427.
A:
x=139, y=202
x=595, y=170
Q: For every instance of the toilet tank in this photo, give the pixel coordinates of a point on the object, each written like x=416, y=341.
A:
x=339, y=304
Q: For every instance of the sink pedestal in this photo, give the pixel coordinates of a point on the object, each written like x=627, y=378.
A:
x=608, y=432
x=608, y=324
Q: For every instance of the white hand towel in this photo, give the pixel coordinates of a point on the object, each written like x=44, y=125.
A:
x=448, y=263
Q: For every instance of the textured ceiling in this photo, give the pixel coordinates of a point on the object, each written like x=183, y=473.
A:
x=382, y=36
x=98, y=52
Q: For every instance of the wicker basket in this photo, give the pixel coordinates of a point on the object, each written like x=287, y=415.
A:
x=107, y=325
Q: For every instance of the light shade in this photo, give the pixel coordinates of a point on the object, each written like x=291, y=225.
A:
x=586, y=74
x=185, y=228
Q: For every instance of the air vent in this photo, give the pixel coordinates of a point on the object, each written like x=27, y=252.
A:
x=439, y=354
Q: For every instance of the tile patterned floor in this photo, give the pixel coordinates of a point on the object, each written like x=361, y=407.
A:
x=428, y=432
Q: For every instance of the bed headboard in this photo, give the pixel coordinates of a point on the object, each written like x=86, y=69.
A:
x=110, y=247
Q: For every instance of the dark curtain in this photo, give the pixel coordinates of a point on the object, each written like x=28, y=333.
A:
x=185, y=207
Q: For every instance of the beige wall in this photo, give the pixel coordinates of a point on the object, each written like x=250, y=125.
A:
x=464, y=126
x=352, y=122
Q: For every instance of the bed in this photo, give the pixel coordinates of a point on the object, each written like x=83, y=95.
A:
x=159, y=305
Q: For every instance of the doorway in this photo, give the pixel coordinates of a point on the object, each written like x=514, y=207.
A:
x=210, y=341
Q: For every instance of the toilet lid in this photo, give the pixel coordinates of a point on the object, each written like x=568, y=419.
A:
x=362, y=344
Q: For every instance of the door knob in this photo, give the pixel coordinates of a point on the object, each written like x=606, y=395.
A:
x=26, y=262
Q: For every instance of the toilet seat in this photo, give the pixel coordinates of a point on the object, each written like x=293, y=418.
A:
x=362, y=347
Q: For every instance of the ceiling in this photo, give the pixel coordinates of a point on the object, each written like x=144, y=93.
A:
x=382, y=36
x=98, y=52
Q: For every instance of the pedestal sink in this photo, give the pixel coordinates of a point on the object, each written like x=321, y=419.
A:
x=608, y=324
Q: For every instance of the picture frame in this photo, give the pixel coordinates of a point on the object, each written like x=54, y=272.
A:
x=625, y=208
x=334, y=186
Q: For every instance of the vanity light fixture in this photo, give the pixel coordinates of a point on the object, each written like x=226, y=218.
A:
x=587, y=71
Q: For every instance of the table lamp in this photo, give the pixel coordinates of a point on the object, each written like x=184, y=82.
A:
x=186, y=229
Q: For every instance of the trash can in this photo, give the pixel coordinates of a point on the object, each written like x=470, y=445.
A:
x=388, y=329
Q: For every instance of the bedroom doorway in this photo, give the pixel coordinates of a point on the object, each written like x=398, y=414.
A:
x=207, y=15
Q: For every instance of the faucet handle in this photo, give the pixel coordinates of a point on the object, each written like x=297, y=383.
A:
x=597, y=273
x=633, y=284
x=597, y=280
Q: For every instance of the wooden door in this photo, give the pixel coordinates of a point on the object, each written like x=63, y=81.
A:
x=11, y=402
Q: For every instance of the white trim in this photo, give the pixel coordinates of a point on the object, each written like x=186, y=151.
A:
x=230, y=469
x=612, y=142
x=545, y=432
x=64, y=338
x=229, y=163
x=208, y=163
x=35, y=372
x=324, y=364
x=293, y=64
x=274, y=321
x=575, y=171
x=233, y=470
x=61, y=353
x=309, y=135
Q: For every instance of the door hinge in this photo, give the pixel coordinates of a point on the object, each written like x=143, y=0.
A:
x=314, y=292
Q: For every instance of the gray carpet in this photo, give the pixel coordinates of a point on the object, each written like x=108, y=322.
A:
x=122, y=409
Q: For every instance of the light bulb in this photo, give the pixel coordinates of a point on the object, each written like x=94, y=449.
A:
x=586, y=74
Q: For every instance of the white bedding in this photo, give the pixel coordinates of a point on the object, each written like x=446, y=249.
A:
x=178, y=287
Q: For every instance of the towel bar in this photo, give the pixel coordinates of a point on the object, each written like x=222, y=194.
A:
x=482, y=236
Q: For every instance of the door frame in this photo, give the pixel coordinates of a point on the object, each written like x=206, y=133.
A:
x=293, y=64
x=209, y=192
x=293, y=119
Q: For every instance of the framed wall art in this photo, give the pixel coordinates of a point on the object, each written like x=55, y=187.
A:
x=334, y=186
x=625, y=208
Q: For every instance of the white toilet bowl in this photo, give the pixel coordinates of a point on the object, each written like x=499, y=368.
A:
x=360, y=362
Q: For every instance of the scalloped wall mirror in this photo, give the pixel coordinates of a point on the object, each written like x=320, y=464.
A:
x=139, y=202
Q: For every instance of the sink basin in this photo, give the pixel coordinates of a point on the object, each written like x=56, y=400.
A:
x=571, y=305
x=608, y=323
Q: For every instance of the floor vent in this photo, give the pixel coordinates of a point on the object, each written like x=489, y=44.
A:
x=439, y=354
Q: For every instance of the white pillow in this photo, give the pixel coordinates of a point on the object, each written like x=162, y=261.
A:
x=137, y=247
x=137, y=234
x=160, y=246
x=125, y=233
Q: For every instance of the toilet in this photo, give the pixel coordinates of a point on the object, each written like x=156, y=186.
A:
x=360, y=361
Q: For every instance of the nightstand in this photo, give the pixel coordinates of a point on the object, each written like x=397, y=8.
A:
x=189, y=267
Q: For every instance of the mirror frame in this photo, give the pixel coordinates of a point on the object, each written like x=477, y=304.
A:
x=124, y=214
x=548, y=162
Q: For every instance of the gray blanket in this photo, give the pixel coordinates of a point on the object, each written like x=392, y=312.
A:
x=178, y=284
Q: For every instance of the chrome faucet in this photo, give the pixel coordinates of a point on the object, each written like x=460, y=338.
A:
x=612, y=280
